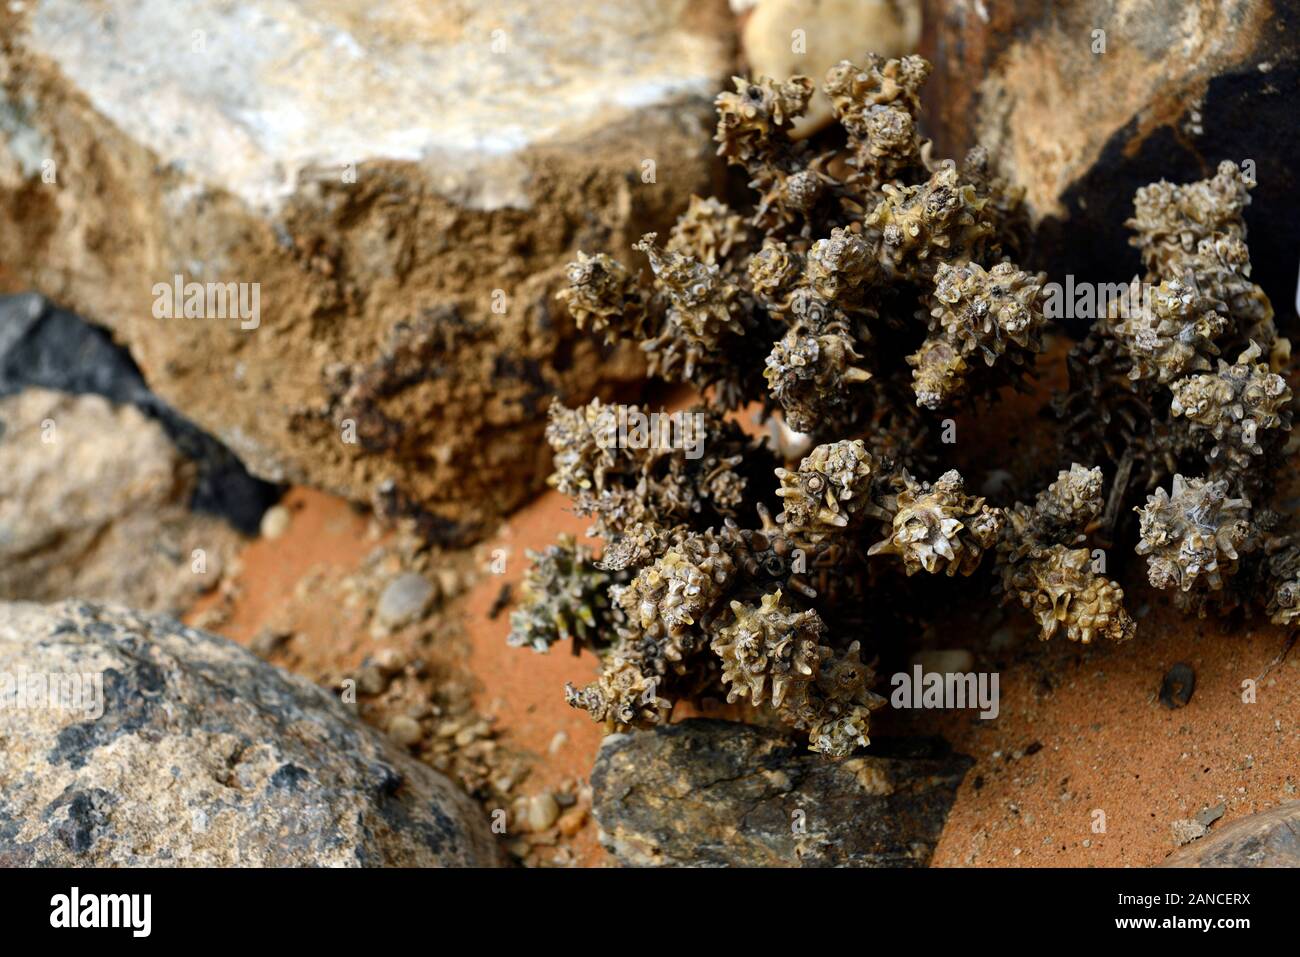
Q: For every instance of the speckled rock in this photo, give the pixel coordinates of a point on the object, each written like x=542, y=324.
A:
x=1265, y=839
x=202, y=755
x=718, y=794
x=403, y=183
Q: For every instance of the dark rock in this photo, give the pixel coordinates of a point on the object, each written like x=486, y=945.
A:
x=187, y=750
x=44, y=346
x=1209, y=815
x=501, y=602
x=716, y=794
x=1266, y=839
x=1178, y=684
x=1179, y=87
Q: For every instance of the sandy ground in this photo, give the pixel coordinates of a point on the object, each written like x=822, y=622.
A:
x=1085, y=766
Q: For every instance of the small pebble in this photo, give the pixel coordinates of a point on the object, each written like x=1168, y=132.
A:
x=572, y=820
x=1186, y=831
x=371, y=680
x=1210, y=814
x=449, y=581
x=501, y=602
x=390, y=660
x=406, y=599
x=266, y=641
x=275, y=521
x=542, y=811
x=404, y=730
x=1177, y=687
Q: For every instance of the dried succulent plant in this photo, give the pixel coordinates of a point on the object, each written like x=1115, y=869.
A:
x=1060, y=587
x=604, y=297
x=868, y=289
x=831, y=489
x=1185, y=414
x=1239, y=409
x=768, y=650
x=981, y=317
x=1193, y=537
x=937, y=527
x=1041, y=564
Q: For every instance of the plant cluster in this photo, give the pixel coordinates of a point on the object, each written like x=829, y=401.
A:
x=869, y=289
x=1180, y=386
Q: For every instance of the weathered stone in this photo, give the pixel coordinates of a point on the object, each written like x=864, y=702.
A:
x=1264, y=839
x=715, y=793
x=203, y=756
x=782, y=38
x=402, y=182
x=1181, y=85
x=94, y=504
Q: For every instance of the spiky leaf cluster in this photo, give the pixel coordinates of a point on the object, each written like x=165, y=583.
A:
x=603, y=296
x=981, y=316
x=1237, y=411
x=632, y=478
x=866, y=288
x=1194, y=537
x=831, y=488
x=1153, y=390
x=878, y=105
x=1061, y=588
x=936, y=527
x=1042, y=564
x=565, y=597
x=817, y=293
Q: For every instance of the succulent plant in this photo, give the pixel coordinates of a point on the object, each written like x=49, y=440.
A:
x=1163, y=402
x=868, y=290
x=937, y=527
x=1194, y=537
x=1238, y=411
x=565, y=597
